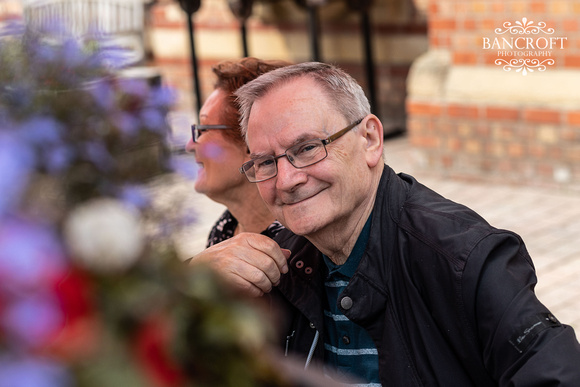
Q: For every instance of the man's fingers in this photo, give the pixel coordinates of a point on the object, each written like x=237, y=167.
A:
x=251, y=263
x=270, y=248
x=250, y=276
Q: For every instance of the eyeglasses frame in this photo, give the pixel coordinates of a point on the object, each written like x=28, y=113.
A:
x=325, y=142
x=199, y=128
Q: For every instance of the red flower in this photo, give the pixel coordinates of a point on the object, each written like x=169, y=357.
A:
x=152, y=352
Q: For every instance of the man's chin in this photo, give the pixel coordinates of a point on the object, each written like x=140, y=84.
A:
x=302, y=227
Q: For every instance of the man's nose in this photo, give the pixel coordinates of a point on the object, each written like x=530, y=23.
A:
x=288, y=176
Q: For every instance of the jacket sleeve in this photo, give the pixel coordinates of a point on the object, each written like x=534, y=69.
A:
x=523, y=344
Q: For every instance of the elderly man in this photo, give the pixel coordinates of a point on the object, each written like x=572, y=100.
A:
x=387, y=280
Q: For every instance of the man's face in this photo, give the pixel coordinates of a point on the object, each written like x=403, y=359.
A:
x=218, y=156
x=307, y=200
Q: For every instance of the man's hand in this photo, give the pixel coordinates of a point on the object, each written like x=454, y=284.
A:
x=250, y=263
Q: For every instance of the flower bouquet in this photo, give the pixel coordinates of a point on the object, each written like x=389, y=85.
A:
x=91, y=290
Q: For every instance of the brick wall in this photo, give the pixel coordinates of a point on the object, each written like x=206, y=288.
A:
x=279, y=30
x=470, y=118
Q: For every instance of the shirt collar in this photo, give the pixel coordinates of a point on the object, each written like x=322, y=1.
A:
x=349, y=267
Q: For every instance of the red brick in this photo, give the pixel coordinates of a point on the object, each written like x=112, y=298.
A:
x=425, y=141
x=416, y=126
x=473, y=147
x=433, y=8
x=489, y=25
x=545, y=170
x=542, y=116
x=498, y=7
x=423, y=109
x=573, y=118
x=573, y=153
x=442, y=24
x=537, y=151
x=570, y=25
x=572, y=60
x=496, y=149
x=464, y=57
x=570, y=134
x=447, y=161
x=483, y=130
x=538, y=6
x=453, y=144
x=469, y=24
x=516, y=150
x=499, y=113
x=456, y=110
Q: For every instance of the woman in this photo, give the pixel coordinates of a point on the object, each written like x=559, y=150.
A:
x=220, y=150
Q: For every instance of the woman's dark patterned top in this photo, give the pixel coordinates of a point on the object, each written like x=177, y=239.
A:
x=226, y=225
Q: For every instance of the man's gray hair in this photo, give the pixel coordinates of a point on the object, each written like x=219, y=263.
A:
x=343, y=91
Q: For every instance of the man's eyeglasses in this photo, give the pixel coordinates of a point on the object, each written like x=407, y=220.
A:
x=300, y=155
x=198, y=130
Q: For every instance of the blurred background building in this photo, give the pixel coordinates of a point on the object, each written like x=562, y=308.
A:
x=430, y=68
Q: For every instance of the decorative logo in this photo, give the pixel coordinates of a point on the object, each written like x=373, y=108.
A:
x=526, y=46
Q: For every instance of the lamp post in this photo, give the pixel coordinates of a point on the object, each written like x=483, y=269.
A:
x=190, y=7
x=363, y=7
x=242, y=10
x=314, y=27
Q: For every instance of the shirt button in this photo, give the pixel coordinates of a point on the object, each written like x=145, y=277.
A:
x=312, y=325
x=346, y=303
x=346, y=339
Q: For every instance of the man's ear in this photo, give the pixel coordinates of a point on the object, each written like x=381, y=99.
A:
x=372, y=132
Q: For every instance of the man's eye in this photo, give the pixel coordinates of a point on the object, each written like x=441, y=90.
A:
x=307, y=148
x=263, y=163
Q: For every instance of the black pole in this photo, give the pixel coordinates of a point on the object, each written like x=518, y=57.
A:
x=190, y=7
x=195, y=75
x=369, y=61
x=314, y=32
x=244, y=34
x=242, y=10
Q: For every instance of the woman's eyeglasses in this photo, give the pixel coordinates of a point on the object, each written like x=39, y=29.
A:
x=198, y=130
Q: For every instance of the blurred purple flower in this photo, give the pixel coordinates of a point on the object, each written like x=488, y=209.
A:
x=97, y=153
x=162, y=96
x=135, y=195
x=16, y=163
x=41, y=130
x=127, y=123
x=103, y=93
x=44, y=54
x=185, y=166
x=72, y=54
x=58, y=158
x=31, y=321
x=134, y=86
x=30, y=255
x=33, y=372
x=17, y=96
x=154, y=120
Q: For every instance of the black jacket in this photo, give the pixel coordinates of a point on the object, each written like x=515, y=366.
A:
x=448, y=299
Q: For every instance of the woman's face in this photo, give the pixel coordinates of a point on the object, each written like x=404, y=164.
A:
x=218, y=156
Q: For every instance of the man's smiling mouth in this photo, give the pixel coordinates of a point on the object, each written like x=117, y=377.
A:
x=291, y=201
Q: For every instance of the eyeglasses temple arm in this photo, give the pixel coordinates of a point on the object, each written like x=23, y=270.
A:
x=336, y=135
